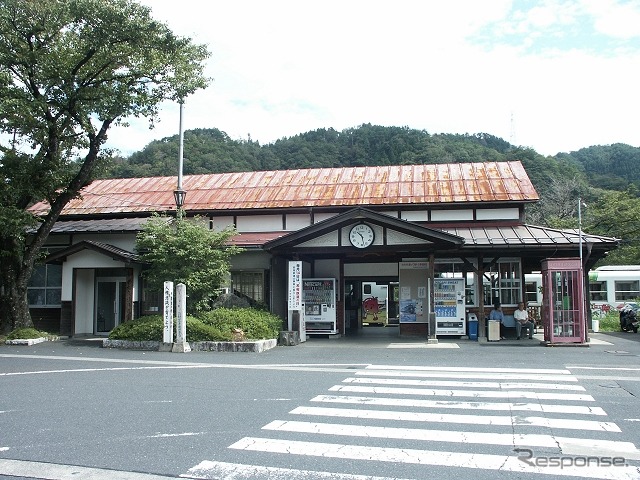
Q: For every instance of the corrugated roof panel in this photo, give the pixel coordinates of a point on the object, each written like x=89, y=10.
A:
x=406, y=184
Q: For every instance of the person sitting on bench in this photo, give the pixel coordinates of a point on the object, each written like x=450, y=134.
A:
x=521, y=316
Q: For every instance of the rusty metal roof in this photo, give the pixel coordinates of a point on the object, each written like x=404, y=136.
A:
x=322, y=187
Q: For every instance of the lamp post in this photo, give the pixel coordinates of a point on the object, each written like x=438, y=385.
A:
x=582, y=285
x=179, y=194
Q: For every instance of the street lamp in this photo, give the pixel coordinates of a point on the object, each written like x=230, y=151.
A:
x=179, y=193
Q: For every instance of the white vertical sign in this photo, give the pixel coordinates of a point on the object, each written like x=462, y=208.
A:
x=181, y=344
x=167, y=336
x=295, y=298
x=295, y=285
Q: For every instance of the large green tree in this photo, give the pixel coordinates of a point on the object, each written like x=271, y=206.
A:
x=69, y=70
x=186, y=251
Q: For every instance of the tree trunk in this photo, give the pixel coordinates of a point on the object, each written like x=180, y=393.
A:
x=15, y=307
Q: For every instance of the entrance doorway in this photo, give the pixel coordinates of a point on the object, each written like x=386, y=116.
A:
x=110, y=303
x=370, y=303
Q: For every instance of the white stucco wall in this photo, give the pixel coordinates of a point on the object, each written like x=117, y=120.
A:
x=498, y=214
x=85, y=294
x=259, y=223
x=450, y=215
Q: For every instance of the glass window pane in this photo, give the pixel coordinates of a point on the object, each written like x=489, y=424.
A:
x=38, y=276
x=53, y=296
x=54, y=275
x=36, y=296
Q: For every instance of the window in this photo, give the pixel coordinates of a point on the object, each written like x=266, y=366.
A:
x=250, y=284
x=626, y=290
x=45, y=286
x=503, y=282
x=445, y=268
x=598, y=291
x=531, y=292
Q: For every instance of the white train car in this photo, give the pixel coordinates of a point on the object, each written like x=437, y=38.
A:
x=609, y=287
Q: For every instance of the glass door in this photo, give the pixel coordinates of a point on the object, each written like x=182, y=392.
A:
x=110, y=295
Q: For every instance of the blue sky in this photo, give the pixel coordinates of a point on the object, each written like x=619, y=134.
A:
x=551, y=75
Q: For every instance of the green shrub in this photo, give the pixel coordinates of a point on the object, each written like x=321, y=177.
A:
x=198, y=331
x=148, y=328
x=151, y=328
x=256, y=324
x=610, y=322
x=213, y=326
x=25, y=334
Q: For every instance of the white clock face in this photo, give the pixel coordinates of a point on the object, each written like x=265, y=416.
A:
x=361, y=236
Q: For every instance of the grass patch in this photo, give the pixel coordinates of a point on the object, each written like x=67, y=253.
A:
x=26, y=334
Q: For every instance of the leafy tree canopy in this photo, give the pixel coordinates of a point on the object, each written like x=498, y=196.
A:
x=186, y=251
x=69, y=69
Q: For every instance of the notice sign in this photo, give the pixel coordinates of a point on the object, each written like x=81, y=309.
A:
x=295, y=285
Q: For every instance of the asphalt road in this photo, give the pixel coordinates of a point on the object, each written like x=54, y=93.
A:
x=374, y=406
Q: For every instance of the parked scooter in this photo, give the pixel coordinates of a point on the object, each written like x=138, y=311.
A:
x=629, y=318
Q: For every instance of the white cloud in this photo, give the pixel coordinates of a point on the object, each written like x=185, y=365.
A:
x=285, y=67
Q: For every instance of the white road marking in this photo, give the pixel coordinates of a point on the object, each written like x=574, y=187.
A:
x=169, y=435
x=51, y=471
x=423, y=345
x=586, y=367
x=510, y=463
x=511, y=375
x=4, y=449
x=500, y=420
x=468, y=369
x=454, y=383
x=567, y=445
x=495, y=406
x=238, y=471
x=574, y=397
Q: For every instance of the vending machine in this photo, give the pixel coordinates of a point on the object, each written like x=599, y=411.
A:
x=449, y=306
x=319, y=305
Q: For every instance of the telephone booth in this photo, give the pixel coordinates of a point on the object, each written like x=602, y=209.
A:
x=563, y=301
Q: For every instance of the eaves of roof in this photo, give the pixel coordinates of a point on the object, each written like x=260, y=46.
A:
x=106, y=249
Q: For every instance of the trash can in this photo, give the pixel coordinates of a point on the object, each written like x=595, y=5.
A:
x=595, y=325
x=473, y=326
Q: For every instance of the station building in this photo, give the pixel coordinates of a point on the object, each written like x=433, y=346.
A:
x=391, y=245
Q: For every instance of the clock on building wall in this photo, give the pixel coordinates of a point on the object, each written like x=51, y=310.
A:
x=361, y=235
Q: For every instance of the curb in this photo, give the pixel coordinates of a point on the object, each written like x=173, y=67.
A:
x=31, y=341
x=257, y=346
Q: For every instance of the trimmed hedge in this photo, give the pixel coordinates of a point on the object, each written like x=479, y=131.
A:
x=213, y=326
x=256, y=324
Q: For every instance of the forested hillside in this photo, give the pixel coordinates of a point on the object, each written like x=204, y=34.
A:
x=604, y=176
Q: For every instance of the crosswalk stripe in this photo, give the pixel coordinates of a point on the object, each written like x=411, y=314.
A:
x=424, y=368
x=241, y=471
x=470, y=384
x=428, y=457
x=495, y=406
x=511, y=375
x=577, y=446
x=463, y=393
x=497, y=420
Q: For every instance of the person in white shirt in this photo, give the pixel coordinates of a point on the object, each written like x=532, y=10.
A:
x=521, y=316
